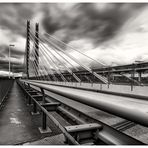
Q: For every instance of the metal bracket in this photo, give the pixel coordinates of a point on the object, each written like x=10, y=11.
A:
x=84, y=133
x=37, y=97
x=51, y=106
x=44, y=129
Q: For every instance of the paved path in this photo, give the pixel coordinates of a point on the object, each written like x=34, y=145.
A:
x=17, y=125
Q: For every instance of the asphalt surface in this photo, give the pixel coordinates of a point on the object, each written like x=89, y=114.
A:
x=17, y=125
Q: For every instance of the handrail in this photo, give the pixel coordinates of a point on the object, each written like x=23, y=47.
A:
x=5, y=85
x=108, y=134
x=130, y=114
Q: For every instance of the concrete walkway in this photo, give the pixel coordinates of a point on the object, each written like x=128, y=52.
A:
x=17, y=125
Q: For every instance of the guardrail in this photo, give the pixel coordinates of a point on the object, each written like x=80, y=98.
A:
x=5, y=86
x=123, y=112
x=97, y=88
x=106, y=133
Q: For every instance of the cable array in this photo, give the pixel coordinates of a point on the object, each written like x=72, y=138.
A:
x=54, y=61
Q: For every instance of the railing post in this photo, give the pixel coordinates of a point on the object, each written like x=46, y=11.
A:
x=43, y=93
x=44, y=120
x=34, y=108
x=29, y=100
x=44, y=128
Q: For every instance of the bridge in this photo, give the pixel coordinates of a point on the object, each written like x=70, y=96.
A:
x=62, y=100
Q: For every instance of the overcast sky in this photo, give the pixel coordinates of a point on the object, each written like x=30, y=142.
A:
x=112, y=33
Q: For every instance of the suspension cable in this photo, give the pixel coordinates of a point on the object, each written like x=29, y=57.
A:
x=58, y=54
x=30, y=61
x=67, y=68
x=74, y=49
x=35, y=67
x=82, y=65
x=34, y=71
x=38, y=71
x=55, y=38
x=58, y=70
x=54, y=77
x=45, y=73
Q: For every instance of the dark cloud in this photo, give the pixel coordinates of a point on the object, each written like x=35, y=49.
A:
x=90, y=22
x=13, y=16
x=14, y=67
x=15, y=53
x=69, y=22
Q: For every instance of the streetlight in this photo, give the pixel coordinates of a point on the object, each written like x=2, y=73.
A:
x=140, y=72
x=10, y=45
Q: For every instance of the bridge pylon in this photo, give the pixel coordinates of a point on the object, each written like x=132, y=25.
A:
x=37, y=46
x=27, y=48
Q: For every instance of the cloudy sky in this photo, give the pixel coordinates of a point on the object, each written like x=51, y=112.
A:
x=113, y=33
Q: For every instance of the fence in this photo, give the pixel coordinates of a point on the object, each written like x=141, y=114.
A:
x=5, y=86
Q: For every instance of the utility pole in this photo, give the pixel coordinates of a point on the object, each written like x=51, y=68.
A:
x=108, y=76
x=132, y=76
x=11, y=45
x=28, y=49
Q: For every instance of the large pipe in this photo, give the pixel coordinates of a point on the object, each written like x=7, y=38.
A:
x=92, y=100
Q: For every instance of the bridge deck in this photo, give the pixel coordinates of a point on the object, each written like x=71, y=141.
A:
x=17, y=125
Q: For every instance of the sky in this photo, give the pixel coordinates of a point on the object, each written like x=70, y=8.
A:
x=112, y=33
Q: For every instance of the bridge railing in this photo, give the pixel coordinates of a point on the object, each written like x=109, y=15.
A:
x=5, y=86
x=111, y=88
x=123, y=112
x=129, y=114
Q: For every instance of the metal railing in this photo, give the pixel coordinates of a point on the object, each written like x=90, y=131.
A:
x=107, y=134
x=5, y=86
x=123, y=112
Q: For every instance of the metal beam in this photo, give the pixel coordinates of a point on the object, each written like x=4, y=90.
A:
x=108, y=134
x=123, y=112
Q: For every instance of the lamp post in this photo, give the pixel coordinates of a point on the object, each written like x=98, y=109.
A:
x=140, y=72
x=11, y=45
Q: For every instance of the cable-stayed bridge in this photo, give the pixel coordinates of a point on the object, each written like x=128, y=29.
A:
x=67, y=97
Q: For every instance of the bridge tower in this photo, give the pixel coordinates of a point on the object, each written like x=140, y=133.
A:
x=37, y=46
x=27, y=48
